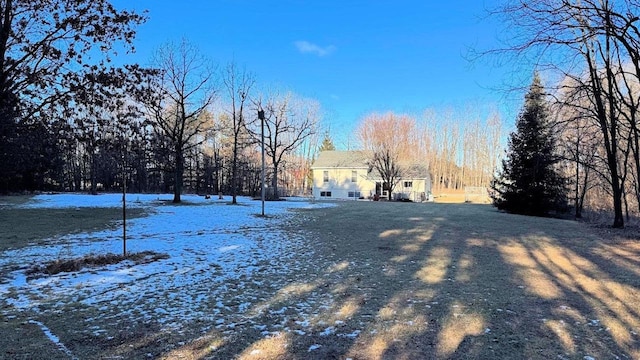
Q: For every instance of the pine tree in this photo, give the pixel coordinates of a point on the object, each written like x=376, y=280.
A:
x=529, y=182
x=327, y=143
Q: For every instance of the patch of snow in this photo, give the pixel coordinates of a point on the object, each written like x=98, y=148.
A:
x=214, y=251
x=243, y=307
x=229, y=248
x=53, y=338
x=314, y=347
x=70, y=200
x=281, y=311
x=328, y=331
x=351, y=335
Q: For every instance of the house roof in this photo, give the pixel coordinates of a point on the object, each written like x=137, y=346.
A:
x=342, y=159
x=360, y=159
x=415, y=171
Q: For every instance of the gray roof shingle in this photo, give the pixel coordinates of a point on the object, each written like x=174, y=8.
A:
x=360, y=159
x=342, y=159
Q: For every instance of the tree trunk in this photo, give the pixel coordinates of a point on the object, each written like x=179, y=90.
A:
x=217, y=188
x=234, y=171
x=636, y=160
x=94, y=178
x=608, y=126
x=583, y=193
x=578, y=210
x=618, y=220
x=274, y=182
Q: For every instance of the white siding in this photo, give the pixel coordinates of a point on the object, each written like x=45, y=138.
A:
x=340, y=183
x=419, y=190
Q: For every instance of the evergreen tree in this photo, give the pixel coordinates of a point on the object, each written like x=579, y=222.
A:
x=327, y=143
x=528, y=182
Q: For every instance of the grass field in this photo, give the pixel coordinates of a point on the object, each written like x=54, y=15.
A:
x=382, y=280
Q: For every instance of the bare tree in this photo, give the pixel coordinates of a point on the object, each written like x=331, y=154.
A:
x=579, y=140
x=289, y=121
x=392, y=140
x=443, y=131
x=177, y=99
x=238, y=83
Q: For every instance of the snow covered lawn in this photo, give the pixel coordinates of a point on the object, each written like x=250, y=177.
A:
x=360, y=280
x=214, y=249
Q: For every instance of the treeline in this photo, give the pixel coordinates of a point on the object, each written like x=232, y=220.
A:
x=98, y=151
x=459, y=149
x=72, y=121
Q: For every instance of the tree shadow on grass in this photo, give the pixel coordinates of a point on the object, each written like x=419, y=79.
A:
x=438, y=281
x=594, y=298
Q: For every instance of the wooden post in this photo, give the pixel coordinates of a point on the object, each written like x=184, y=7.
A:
x=124, y=203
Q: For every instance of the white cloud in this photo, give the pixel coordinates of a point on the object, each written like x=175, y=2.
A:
x=307, y=47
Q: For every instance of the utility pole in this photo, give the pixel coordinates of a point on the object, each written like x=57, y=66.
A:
x=261, y=117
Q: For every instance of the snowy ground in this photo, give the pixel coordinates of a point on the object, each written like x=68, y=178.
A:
x=363, y=280
x=214, y=252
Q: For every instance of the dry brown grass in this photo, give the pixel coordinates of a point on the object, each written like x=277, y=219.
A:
x=459, y=197
x=70, y=265
x=451, y=197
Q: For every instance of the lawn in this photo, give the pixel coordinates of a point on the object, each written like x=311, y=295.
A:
x=359, y=280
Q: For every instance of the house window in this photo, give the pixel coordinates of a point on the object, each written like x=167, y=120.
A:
x=408, y=184
x=325, y=194
x=354, y=176
x=354, y=194
x=325, y=176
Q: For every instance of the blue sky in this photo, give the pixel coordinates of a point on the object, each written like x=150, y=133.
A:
x=355, y=57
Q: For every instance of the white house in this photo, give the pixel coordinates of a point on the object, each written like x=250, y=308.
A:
x=346, y=175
